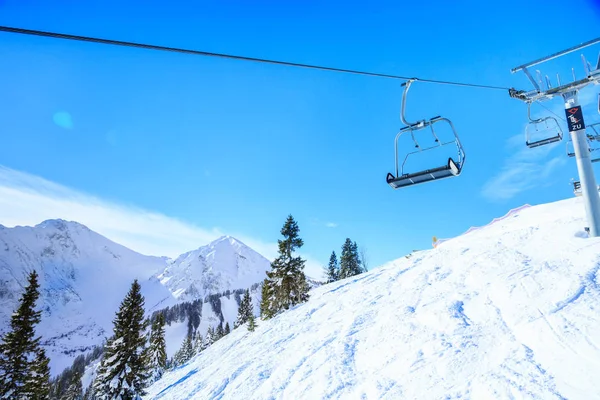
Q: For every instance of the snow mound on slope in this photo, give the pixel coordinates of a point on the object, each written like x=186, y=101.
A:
x=508, y=311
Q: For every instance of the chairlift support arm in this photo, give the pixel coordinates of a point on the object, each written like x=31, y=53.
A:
x=403, y=107
x=555, y=55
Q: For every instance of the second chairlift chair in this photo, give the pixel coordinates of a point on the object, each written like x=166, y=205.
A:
x=451, y=169
x=593, y=135
x=547, y=127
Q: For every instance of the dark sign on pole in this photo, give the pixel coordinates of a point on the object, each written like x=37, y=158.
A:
x=575, y=118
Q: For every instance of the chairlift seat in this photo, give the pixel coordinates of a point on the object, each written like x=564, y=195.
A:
x=543, y=142
x=445, y=171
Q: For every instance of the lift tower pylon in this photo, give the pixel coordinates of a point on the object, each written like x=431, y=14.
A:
x=574, y=116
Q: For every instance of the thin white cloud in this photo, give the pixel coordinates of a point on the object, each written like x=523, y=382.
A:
x=525, y=170
x=319, y=222
x=27, y=199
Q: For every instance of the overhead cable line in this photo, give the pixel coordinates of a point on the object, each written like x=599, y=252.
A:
x=235, y=57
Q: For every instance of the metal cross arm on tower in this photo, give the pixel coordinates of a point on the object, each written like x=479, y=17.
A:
x=556, y=55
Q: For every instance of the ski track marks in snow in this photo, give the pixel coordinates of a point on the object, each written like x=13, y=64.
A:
x=508, y=311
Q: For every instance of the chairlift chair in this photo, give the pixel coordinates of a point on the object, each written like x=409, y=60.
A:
x=450, y=169
x=577, y=188
x=595, y=157
x=593, y=131
x=594, y=153
x=548, y=128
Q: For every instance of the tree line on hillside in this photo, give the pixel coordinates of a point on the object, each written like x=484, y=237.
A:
x=135, y=355
x=192, y=310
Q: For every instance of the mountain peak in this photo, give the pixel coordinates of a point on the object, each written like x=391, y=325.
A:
x=60, y=224
x=226, y=239
x=224, y=264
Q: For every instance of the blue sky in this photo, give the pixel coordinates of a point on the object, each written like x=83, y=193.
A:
x=220, y=146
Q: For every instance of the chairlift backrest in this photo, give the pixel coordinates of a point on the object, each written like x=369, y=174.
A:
x=593, y=131
x=594, y=154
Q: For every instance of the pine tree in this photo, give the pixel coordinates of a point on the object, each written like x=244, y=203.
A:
x=23, y=363
x=332, y=271
x=37, y=384
x=75, y=389
x=157, y=352
x=227, y=329
x=350, y=263
x=266, y=309
x=244, y=310
x=123, y=371
x=286, y=282
x=90, y=393
x=199, y=343
x=251, y=323
x=210, y=336
x=186, y=352
x=357, y=264
x=220, y=331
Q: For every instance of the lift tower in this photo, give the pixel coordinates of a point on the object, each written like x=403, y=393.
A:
x=574, y=116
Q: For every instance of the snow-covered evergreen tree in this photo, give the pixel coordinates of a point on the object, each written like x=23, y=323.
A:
x=287, y=285
x=37, y=384
x=23, y=363
x=123, y=372
x=332, y=272
x=244, y=310
x=75, y=389
x=227, y=328
x=251, y=323
x=210, y=336
x=357, y=264
x=90, y=393
x=157, y=351
x=185, y=353
x=266, y=309
x=199, y=343
x=350, y=263
x=220, y=331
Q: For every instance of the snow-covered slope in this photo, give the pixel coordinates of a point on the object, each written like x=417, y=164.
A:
x=83, y=278
x=509, y=311
x=224, y=264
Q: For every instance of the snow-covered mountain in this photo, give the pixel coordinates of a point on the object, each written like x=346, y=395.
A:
x=83, y=278
x=224, y=264
x=508, y=311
